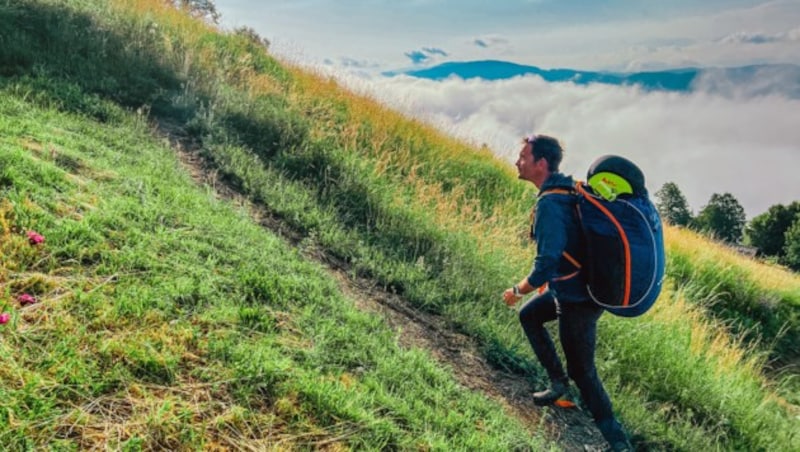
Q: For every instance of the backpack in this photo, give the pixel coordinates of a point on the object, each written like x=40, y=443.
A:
x=623, y=236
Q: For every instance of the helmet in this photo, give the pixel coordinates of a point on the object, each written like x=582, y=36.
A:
x=612, y=175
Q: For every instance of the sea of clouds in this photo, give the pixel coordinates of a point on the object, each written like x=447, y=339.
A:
x=732, y=140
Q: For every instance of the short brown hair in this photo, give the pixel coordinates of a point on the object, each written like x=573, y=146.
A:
x=548, y=148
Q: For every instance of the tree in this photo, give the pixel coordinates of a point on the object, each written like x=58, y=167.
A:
x=251, y=35
x=767, y=231
x=672, y=205
x=201, y=9
x=791, y=249
x=722, y=217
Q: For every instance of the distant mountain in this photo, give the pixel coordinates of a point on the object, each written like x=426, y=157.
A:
x=756, y=79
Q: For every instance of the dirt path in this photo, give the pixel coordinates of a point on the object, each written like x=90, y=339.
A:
x=571, y=429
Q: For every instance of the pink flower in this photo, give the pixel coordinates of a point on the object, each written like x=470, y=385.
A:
x=34, y=238
x=4, y=318
x=26, y=299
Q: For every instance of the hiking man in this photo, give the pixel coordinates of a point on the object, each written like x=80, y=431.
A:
x=562, y=290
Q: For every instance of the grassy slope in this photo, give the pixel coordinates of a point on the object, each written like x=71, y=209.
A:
x=341, y=168
x=169, y=320
x=759, y=302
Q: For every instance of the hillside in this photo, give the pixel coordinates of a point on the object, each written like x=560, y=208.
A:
x=170, y=318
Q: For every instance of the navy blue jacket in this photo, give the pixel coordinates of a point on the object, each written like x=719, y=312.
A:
x=556, y=229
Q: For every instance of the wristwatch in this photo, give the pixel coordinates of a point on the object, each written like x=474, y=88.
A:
x=516, y=290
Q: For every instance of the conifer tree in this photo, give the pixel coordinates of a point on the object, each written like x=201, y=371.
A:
x=672, y=205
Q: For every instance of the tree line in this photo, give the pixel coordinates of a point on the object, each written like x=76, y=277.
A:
x=775, y=233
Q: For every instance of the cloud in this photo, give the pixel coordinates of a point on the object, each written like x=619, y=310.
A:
x=425, y=55
x=662, y=42
x=746, y=37
x=705, y=143
x=434, y=51
x=489, y=41
x=750, y=82
x=650, y=66
x=548, y=34
x=351, y=63
x=417, y=57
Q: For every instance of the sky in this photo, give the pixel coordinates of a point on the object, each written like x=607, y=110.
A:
x=706, y=142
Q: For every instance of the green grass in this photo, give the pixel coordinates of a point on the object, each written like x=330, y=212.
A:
x=168, y=319
x=421, y=214
x=758, y=302
x=692, y=397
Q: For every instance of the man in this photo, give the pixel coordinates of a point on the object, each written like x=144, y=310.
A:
x=562, y=289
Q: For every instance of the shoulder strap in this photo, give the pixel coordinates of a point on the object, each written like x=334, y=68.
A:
x=567, y=256
x=552, y=191
x=556, y=191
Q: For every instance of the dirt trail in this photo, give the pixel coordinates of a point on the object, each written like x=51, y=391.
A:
x=571, y=429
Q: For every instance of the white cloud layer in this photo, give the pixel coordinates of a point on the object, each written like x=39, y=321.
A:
x=705, y=143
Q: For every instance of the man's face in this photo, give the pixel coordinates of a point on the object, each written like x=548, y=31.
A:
x=529, y=170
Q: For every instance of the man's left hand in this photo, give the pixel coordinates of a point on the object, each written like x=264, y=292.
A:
x=510, y=298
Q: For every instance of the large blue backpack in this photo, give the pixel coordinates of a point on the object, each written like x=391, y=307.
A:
x=624, y=239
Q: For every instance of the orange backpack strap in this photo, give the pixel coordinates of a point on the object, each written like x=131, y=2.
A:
x=571, y=260
x=556, y=191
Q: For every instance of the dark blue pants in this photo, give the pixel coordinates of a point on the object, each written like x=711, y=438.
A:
x=577, y=328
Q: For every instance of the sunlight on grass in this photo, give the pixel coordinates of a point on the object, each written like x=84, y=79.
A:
x=704, y=251
x=168, y=319
x=158, y=323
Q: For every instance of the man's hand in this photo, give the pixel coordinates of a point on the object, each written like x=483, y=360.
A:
x=510, y=298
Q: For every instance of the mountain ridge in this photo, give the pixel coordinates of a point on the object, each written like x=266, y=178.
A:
x=787, y=76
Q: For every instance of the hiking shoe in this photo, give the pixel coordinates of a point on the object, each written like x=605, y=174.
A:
x=615, y=435
x=551, y=394
x=622, y=446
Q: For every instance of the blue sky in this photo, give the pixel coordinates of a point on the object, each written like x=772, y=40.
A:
x=580, y=34
x=722, y=137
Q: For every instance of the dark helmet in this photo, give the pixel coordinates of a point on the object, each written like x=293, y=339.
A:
x=609, y=168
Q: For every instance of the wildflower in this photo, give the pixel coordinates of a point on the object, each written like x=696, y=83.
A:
x=34, y=238
x=4, y=318
x=26, y=299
